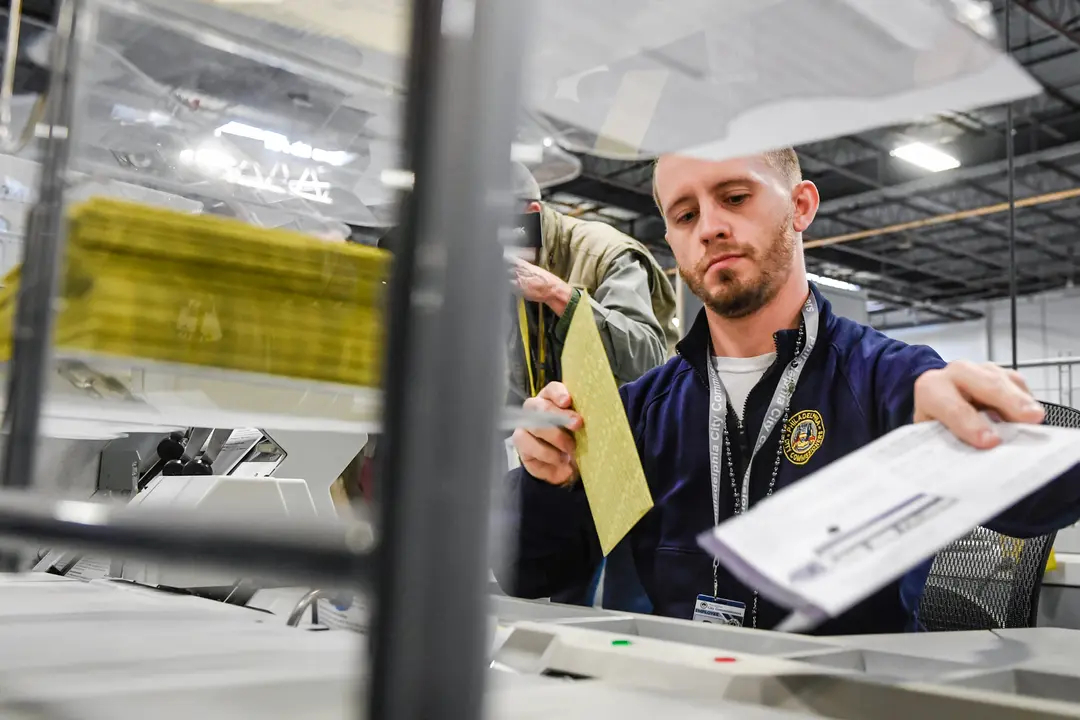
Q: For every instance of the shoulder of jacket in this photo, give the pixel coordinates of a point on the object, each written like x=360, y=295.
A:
x=863, y=353
x=601, y=237
x=854, y=342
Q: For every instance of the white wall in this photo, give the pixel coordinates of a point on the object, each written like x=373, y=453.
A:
x=847, y=303
x=1048, y=326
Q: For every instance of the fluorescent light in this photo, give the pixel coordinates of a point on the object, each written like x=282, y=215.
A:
x=397, y=179
x=278, y=143
x=528, y=153
x=832, y=282
x=926, y=157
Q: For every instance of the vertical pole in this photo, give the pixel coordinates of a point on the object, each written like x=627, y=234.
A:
x=444, y=363
x=43, y=250
x=11, y=59
x=1068, y=398
x=1010, y=155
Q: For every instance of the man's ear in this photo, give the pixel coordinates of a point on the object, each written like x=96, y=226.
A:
x=806, y=200
x=533, y=207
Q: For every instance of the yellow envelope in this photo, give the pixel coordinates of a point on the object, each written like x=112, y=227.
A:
x=606, y=454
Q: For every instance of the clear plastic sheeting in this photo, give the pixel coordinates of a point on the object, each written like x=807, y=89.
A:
x=721, y=78
x=201, y=111
x=279, y=126
x=164, y=105
x=716, y=78
x=537, y=148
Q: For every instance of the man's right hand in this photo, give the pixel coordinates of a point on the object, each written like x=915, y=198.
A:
x=548, y=453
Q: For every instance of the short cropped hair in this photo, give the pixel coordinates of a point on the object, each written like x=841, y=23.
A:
x=785, y=160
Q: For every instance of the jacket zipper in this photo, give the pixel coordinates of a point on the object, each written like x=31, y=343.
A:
x=744, y=441
x=744, y=437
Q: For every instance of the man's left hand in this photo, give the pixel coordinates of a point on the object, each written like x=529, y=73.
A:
x=959, y=393
x=538, y=285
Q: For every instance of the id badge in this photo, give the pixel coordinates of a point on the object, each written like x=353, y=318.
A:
x=718, y=611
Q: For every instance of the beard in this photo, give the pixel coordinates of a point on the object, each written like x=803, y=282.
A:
x=739, y=296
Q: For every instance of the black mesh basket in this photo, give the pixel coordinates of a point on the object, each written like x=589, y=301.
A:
x=987, y=580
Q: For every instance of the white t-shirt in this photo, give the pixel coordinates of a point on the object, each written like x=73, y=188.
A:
x=740, y=375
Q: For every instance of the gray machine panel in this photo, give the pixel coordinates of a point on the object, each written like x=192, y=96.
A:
x=107, y=649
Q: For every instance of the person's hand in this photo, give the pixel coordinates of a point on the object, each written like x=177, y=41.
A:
x=548, y=453
x=536, y=284
x=958, y=394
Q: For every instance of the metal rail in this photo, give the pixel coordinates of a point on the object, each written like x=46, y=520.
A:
x=1064, y=365
x=1046, y=362
x=322, y=554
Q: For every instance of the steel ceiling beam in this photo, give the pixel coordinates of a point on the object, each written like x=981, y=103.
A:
x=943, y=311
x=906, y=266
x=593, y=184
x=1059, y=24
x=947, y=178
x=889, y=290
x=632, y=167
x=843, y=254
x=1051, y=274
x=998, y=293
x=949, y=218
x=926, y=205
x=915, y=239
x=1043, y=210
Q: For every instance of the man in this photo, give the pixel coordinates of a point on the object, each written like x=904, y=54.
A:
x=735, y=228
x=629, y=295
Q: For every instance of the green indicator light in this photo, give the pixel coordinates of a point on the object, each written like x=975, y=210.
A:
x=620, y=643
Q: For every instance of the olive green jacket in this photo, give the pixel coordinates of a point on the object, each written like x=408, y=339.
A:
x=631, y=298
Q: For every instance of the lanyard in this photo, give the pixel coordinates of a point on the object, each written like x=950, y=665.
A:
x=718, y=404
x=523, y=326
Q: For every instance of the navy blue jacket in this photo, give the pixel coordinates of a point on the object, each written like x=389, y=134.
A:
x=861, y=384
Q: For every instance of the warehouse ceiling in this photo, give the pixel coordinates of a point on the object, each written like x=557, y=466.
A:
x=926, y=246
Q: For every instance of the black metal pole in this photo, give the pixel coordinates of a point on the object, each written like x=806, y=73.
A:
x=443, y=363
x=325, y=555
x=1010, y=157
x=43, y=247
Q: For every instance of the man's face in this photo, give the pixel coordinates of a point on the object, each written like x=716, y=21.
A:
x=734, y=228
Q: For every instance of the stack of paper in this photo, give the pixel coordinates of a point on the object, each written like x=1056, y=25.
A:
x=203, y=290
x=836, y=537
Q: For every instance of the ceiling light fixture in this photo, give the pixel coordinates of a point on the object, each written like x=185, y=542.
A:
x=926, y=157
x=527, y=153
x=397, y=179
x=276, y=142
x=832, y=282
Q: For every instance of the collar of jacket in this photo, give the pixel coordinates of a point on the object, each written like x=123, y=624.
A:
x=694, y=347
x=551, y=233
